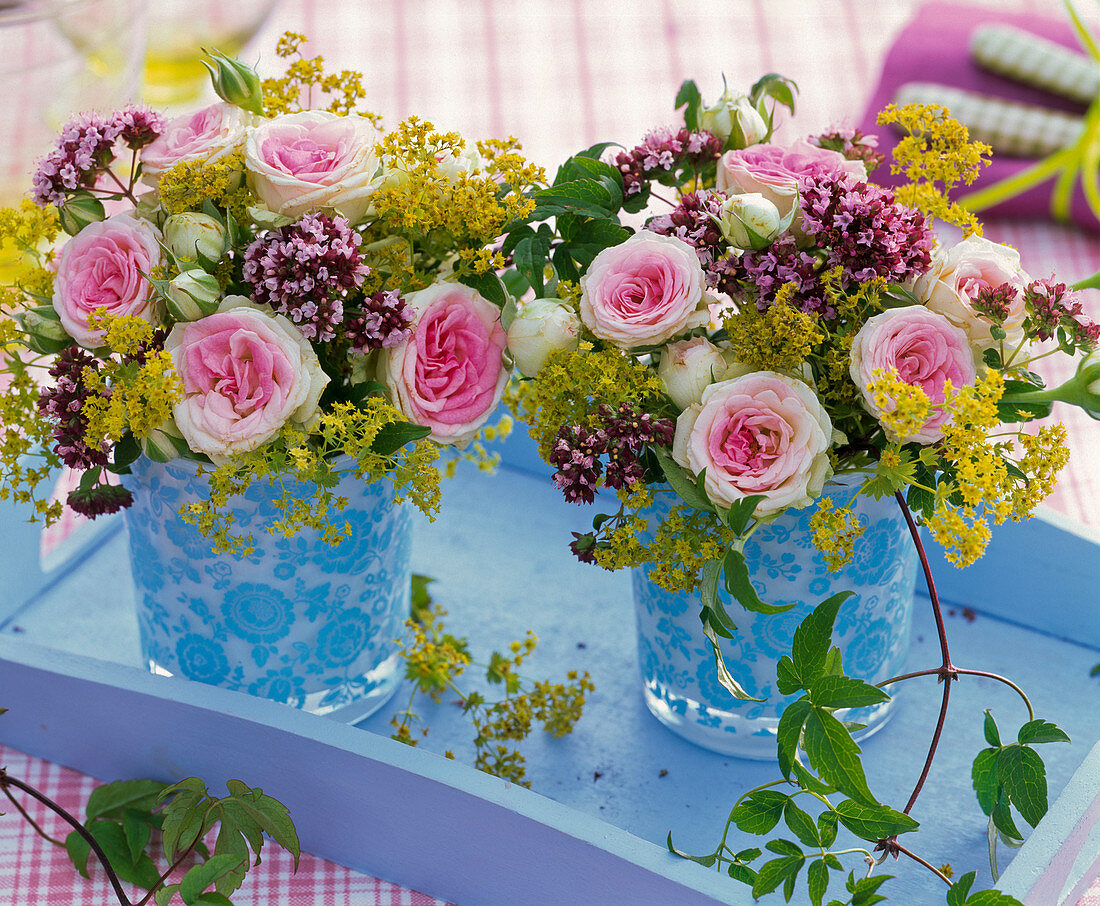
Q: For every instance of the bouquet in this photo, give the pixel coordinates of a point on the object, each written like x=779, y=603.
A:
x=773, y=326
x=273, y=289
x=780, y=323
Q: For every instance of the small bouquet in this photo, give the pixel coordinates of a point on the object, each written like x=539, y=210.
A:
x=782, y=322
x=275, y=291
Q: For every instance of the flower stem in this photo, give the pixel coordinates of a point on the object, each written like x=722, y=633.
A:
x=912, y=855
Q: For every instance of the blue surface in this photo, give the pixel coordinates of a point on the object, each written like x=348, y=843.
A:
x=499, y=552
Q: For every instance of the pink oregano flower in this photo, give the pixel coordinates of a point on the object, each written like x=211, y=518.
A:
x=449, y=376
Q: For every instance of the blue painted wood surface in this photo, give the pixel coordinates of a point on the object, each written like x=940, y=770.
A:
x=499, y=553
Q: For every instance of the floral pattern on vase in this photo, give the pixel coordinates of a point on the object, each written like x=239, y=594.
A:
x=297, y=620
x=871, y=630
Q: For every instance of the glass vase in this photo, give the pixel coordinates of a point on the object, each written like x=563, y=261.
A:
x=872, y=628
x=296, y=620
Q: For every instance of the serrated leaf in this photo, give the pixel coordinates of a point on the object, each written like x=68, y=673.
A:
x=110, y=799
x=488, y=285
x=529, y=257
x=747, y=855
x=1024, y=778
x=772, y=874
x=213, y=898
x=992, y=898
x=231, y=843
x=270, y=814
x=845, y=692
x=680, y=483
x=197, y=879
x=800, y=824
x=78, y=849
x=183, y=824
x=983, y=777
x=827, y=823
x=989, y=728
x=813, y=638
x=958, y=892
x=137, y=832
x=112, y=840
x=593, y=236
x=874, y=822
x=834, y=755
x=817, y=881
x=588, y=197
x=789, y=732
x=731, y=685
x=164, y=895
x=787, y=681
x=760, y=812
x=689, y=98
x=1040, y=731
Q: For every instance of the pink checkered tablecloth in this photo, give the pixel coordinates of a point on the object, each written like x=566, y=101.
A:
x=560, y=75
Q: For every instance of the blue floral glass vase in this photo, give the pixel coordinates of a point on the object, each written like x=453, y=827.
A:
x=871, y=630
x=297, y=620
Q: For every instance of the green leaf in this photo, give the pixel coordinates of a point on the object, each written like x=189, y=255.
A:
x=800, y=824
x=163, y=896
x=78, y=849
x=742, y=873
x=112, y=840
x=813, y=637
x=706, y=861
x=708, y=582
x=680, y=483
x=724, y=676
x=488, y=285
x=588, y=197
x=126, y=451
x=739, y=584
x=1039, y=730
x=834, y=755
x=760, y=812
x=593, y=236
x=392, y=437
x=817, y=881
x=983, y=775
x=270, y=814
x=509, y=311
x=420, y=598
x=827, y=826
x=992, y=898
x=137, y=831
x=957, y=893
x=774, y=873
x=992, y=736
x=787, y=680
x=1025, y=780
x=789, y=733
x=691, y=100
x=202, y=876
x=775, y=86
x=741, y=511
x=873, y=822
x=183, y=821
x=212, y=898
x=808, y=781
x=563, y=264
x=1002, y=819
x=845, y=692
x=530, y=260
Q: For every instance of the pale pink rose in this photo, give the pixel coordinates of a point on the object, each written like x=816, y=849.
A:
x=245, y=372
x=760, y=433
x=924, y=349
x=644, y=291
x=449, y=375
x=314, y=161
x=207, y=135
x=774, y=171
x=102, y=266
x=959, y=273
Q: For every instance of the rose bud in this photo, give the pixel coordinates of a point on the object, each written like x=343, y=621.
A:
x=734, y=120
x=165, y=443
x=43, y=328
x=192, y=295
x=751, y=221
x=189, y=235
x=236, y=83
x=542, y=327
x=688, y=367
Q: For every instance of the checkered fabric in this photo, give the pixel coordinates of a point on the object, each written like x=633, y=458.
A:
x=561, y=75
x=35, y=872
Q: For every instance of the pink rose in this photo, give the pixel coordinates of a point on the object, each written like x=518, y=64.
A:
x=449, y=375
x=102, y=266
x=644, y=291
x=245, y=372
x=924, y=349
x=314, y=160
x=959, y=273
x=774, y=171
x=760, y=433
x=208, y=135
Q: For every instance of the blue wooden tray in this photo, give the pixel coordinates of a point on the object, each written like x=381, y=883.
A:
x=603, y=799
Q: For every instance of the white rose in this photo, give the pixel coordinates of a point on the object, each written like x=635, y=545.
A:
x=192, y=295
x=542, y=327
x=960, y=273
x=688, y=367
x=313, y=161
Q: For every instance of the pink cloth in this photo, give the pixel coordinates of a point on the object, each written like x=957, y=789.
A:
x=29, y=863
x=934, y=47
